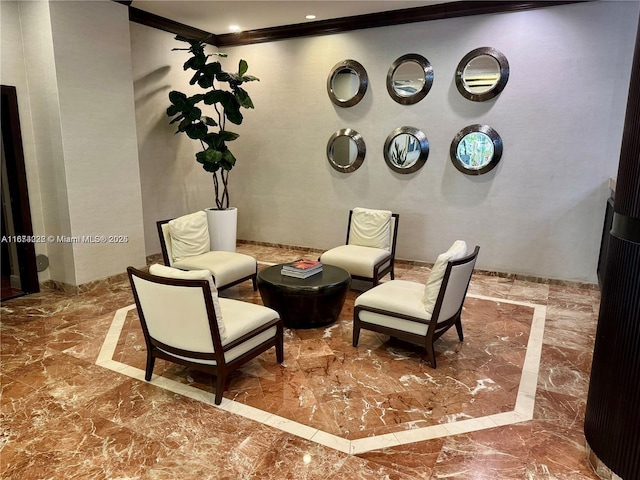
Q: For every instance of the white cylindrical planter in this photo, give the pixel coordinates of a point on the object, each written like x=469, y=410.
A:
x=223, y=225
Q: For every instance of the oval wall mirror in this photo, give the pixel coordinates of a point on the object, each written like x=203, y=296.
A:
x=347, y=83
x=482, y=74
x=476, y=149
x=406, y=150
x=409, y=79
x=346, y=150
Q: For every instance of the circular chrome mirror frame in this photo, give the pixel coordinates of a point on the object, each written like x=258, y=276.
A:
x=497, y=149
x=360, y=145
x=497, y=88
x=426, y=86
x=362, y=86
x=424, y=149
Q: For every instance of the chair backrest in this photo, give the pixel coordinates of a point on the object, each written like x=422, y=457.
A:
x=454, y=287
x=177, y=315
x=395, y=217
x=165, y=241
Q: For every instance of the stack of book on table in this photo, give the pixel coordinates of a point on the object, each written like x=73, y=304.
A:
x=301, y=268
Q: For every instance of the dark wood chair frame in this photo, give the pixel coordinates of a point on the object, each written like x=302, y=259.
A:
x=378, y=271
x=167, y=262
x=436, y=328
x=222, y=368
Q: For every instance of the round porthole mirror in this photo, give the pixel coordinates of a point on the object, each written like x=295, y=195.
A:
x=406, y=150
x=347, y=83
x=409, y=79
x=476, y=149
x=482, y=74
x=346, y=150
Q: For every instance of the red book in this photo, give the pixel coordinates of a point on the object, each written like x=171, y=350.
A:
x=302, y=265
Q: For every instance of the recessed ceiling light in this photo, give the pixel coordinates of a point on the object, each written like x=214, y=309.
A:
x=310, y=17
x=234, y=28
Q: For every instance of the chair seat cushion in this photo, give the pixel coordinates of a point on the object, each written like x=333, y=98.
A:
x=396, y=297
x=355, y=259
x=241, y=318
x=226, y=267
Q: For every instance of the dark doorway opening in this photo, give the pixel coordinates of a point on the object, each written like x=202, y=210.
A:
x=18, y=263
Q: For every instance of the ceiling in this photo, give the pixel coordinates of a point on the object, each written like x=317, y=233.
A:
x=216, y=16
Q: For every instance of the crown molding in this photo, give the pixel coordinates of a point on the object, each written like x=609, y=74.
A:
x=156, y=21
x=339, y=25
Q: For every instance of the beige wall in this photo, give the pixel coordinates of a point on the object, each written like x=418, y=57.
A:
x=538, y=213
x=76, y=106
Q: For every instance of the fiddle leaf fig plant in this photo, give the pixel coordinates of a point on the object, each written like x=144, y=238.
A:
x=223, y=102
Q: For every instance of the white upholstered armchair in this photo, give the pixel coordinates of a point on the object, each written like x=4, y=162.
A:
x=416, y=312
x=185, y=322
x=185, y=245
x=370, y=249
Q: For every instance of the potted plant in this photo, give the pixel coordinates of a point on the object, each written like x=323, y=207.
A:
x=224, y=102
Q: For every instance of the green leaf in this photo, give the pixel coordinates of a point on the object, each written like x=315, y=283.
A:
x=243, y=98
x=231, y=108
x=173, y=110
x=216, y=139
x=234, y=116
x=228, y=160
x=211, y=167
x=223, y=77
x=196, y=62
x=184, y=124
x=210, y=159
x=191, y=41
x=177, y=98
x=243, y=66
x=205, y=81
x=193, y=114
x=228, y=136
x=213, y=140
x=195, y=78
x=212, y=68
x=214, y=96
x=250, y=78
x=210, y=155
x=197, y=131
x=209, y=121
x=177, y=119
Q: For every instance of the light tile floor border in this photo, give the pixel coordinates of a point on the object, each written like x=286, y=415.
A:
x=523, y=410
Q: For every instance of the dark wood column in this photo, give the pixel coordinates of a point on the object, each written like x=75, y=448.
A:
x=612, y=420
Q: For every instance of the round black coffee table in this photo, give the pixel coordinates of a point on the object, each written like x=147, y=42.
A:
x=311, y=302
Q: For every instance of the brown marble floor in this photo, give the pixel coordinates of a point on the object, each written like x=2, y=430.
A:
x=63, y=416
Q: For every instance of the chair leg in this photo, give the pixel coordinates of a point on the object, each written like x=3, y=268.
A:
x=221, y=381
x=255, y=284
x=151, y=360
x=431, y=354
x=459, y=329
x=356, y=334
x=280, y=348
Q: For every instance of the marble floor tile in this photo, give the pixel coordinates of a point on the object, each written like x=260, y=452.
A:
x=75, y=405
